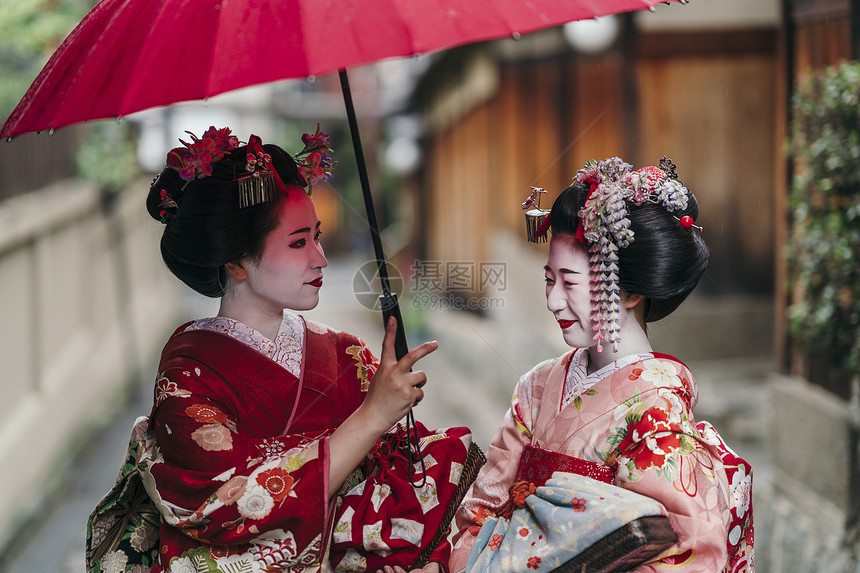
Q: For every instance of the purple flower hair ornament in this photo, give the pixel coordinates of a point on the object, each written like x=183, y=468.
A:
x=605, y=228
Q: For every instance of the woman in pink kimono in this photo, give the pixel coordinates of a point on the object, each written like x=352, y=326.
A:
x=625, y=251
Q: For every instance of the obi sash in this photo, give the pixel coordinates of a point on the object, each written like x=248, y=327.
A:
x=537, y=466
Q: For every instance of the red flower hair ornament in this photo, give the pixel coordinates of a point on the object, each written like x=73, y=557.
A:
x=260, y=179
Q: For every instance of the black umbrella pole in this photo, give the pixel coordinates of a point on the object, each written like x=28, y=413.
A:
x=388, y=299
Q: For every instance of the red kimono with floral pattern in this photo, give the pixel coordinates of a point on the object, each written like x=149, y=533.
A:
x=239, y=463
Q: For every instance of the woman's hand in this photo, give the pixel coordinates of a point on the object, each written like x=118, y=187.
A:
x=394, y=389
x=429, y=568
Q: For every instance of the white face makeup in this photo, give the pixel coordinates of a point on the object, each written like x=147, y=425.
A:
x=568, y=294
x=289, y=272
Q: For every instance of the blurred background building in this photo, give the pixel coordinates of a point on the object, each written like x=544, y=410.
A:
x=454, y=140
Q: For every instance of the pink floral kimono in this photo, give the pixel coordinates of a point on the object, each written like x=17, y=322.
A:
x=636, y=416
x=238, y=463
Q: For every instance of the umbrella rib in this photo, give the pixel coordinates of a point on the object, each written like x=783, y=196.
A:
x=207, y=90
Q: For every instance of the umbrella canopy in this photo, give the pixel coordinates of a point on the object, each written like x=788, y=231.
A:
x=130, y=55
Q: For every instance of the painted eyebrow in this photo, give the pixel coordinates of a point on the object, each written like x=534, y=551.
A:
x=562, y=271
x=305, y=229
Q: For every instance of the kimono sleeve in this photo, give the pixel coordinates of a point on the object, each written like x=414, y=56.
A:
x=216, y=484
x=490, y=489
x=366, y=365
x=660, y=454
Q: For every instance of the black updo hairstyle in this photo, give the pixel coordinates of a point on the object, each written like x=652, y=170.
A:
x=663, y=263
x=207, y=229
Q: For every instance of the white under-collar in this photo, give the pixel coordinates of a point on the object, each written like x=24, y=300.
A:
x=578, y=381
x=286, y=349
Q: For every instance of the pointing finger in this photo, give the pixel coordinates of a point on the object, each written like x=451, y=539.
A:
x=418, y=353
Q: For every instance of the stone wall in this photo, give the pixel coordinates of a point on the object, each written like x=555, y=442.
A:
x=85, y=301
x=806, y=519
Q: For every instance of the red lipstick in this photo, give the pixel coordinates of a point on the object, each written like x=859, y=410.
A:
x=565, y=323
x=316, y=282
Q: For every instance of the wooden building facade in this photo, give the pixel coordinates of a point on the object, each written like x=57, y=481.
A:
x=505, y=116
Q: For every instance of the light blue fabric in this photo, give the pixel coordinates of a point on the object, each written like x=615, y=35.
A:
x=559, y=521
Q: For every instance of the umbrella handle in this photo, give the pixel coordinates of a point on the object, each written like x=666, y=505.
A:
x=391, y=308
x=388, y=299
x=361, y=165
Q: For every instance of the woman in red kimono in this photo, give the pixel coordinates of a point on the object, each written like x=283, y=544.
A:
x=259, y=415
x=625, y=250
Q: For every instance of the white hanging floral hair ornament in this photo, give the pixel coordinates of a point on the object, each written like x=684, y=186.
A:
x=604, y=226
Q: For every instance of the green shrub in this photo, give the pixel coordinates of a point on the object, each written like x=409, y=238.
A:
x=30, y=30
x=107, y=156
x=824, y=246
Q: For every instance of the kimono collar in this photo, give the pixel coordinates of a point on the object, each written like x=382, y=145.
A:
x=286, y=349
x=578, y=381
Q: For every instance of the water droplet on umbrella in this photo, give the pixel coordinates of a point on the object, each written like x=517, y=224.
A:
x=312, y=79
x=8, y=140
x=118, y=118
x=38, y=132
x=652, y=9
x=516, y=36
x=51, y=131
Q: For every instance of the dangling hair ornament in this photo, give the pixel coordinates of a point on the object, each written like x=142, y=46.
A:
x=261, y=180
x=537, y=219
x=605, y=227
x=313, y=161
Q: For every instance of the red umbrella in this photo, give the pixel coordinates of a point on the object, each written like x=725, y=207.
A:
x=115, y=62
